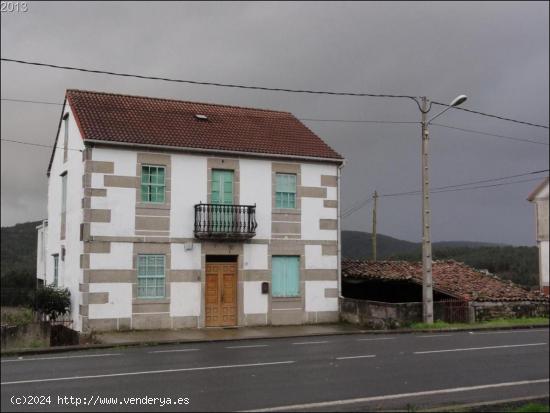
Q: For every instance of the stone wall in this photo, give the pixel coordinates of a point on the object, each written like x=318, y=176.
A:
x=516, y=309
x=379, y=315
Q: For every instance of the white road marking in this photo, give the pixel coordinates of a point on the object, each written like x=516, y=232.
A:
x=508, y=332
x=138, y=373
x=436, y=335
x=254, y=346
x=310, y=342
x=356, y=357
x=397, y=396
x=173, y=351
x=376, y=339
x=478, y=348
x=61, y=357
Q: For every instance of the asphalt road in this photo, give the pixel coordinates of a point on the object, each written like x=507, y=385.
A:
x=346, y=372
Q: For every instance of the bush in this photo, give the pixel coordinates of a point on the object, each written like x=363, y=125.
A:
x=52, y=301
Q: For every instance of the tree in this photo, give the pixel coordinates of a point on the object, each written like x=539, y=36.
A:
x=52, y=301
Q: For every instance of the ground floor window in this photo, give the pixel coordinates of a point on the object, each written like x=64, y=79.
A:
x=285, y=276
x=55, y=270
x=151, y=278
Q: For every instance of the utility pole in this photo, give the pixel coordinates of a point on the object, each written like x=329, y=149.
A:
x=427, y=288
x=375, y=198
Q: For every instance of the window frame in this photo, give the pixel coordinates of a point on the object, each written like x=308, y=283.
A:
x=64, y=192
x=66, y=137
x=280, y=193
x=145, y=187
x=144, y=276
x=286, y=294
x=55, y=281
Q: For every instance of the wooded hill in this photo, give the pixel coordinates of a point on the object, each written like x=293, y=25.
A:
x=519, y=264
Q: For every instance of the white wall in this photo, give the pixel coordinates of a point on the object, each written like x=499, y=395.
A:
x=255, y=257
x=311, y=173
x=315, y=296
x=312, y=210
x=316, y=260
x=254, y=301
x=255, y=188
x=543, y=245
x=70, y=273
x=185, y=299
x=121, y=201
x=120, y=257
x=189, y=185
x=180, y=259
x=120, y=301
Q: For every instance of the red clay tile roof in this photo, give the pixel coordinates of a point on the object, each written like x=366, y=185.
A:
x=450, y=277
x=152, y=121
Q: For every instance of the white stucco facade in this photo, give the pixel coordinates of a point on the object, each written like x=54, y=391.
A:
x=539, y=197
x=107, y=227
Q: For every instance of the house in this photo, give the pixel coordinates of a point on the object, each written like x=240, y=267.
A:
x=539, y=197
x=383, y=293
x=174, y=214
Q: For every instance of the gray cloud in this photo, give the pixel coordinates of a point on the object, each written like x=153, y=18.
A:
x=495, y=52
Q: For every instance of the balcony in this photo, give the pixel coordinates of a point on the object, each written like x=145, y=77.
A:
x=225, y=222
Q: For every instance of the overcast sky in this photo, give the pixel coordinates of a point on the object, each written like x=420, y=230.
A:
x=497, y=53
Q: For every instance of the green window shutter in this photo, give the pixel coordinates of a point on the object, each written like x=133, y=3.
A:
x=286, y=276
x=222, y=187
x=153, y=184
x=285, y=191
x=151, y=278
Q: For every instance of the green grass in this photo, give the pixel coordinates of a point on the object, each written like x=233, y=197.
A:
x=532, y=407
x=501, y=322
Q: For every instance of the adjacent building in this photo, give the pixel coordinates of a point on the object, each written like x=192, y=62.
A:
x=539, y=197
x=173, y=214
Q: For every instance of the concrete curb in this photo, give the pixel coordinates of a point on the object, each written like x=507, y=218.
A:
x=61, y=349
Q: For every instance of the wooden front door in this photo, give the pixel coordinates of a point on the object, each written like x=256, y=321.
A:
x=221, y=294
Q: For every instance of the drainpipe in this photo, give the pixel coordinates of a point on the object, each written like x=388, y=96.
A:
x=339, y=235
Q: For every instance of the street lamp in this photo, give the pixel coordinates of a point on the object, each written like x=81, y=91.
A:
x=427, y=280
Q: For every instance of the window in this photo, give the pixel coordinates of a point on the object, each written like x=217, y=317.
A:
x=152, y=184
x=64, y=192
x=55, y=270
x=285, y=191
x=150, y=276
x=286, y=276
x=66, y=137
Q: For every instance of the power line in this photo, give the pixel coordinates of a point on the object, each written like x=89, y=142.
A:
x=265, y=88
x=338, y=120
x=491, y=134
x=304, y=119
x=447, y=188
x=358, y=121
x=196, y=82
x=36, y=144
x=492, y=116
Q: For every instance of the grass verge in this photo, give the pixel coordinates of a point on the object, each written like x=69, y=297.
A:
x=501, y=322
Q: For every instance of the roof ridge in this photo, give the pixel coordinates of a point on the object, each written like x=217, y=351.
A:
x=178, y=100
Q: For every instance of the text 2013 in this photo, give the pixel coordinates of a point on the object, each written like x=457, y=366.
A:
x=14, y=7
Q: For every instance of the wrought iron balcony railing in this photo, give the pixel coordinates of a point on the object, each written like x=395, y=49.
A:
x=218, y=221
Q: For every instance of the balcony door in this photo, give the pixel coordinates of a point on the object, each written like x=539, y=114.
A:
x=222, y=194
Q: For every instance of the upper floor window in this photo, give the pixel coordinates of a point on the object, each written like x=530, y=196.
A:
x=151, y=276
x=64, y=192
x=285, y=191
x=153, y=185
x=66, y=137
x=56, y=270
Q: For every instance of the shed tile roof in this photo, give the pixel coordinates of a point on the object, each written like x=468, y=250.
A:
x=450, y=277
x=153, y=121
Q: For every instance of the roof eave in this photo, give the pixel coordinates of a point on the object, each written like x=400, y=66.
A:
x=339, y=161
